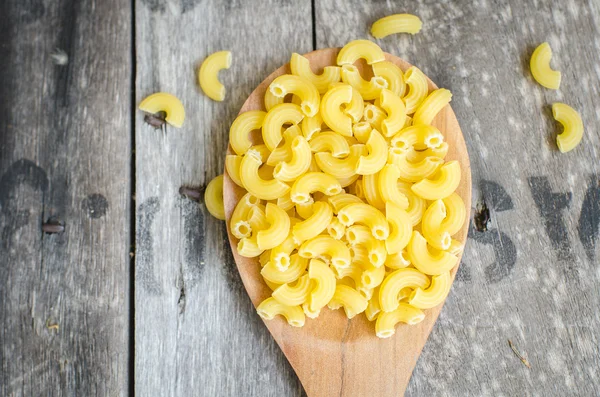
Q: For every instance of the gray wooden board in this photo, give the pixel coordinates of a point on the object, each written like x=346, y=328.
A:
x=533, y=277
x=196, y=331
x=65, y=141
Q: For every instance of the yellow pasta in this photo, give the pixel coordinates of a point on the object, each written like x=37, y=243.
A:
x=396, y=113
x=239, y=133
x=285, y=113
x=293, y=295
x=348, y=298
x=415, y=156
x=361, y=131
x=369, y=90
x=269, y=308
x=398, y=260
x=341, y=200
x=253, y=183
x=431, y=106
x=278, y=230
x=232, y=166
x=385, y=326
x=208, y=75
x=324, y=284
x=413, y=172
x=284, y=151
x=371, y=191
x=357, y=49
x=376, y=158
x=396, y=281
x=434, y=295
x=429, y=261
x=280, y=256
x=238, y=224
x=417, y=137
x=456, y=247
x=374, y=115
x=213, y=198
x=361, y=235
x=417, y=89
x=572, y=126
x=388, y=186
x=416, y=205
x=392, y=74
x=540, y=67
x=400, y=228
x=315, y=224
x=305, y=210
x=397, y=23
x=328, y=247
x=331, y=111
x=248, y=246
x=300, y=66
x=311, y=126
x=312, y=182
x=373, y=309
x=456, y=214
x=271, y=100
x=288, y=171
x=344, y=167
x=367, y=215
x=431, y=226
x=441, y=185
x=296, y=268
x=164, y=102
x=328, y=141
x=336, y=229
x=302, y=88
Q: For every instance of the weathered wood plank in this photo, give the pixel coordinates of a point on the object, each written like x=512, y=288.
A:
x=196, y=330
x=533, y=276
x=65, y=142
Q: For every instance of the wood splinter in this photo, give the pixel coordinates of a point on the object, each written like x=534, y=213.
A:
x=521, y=357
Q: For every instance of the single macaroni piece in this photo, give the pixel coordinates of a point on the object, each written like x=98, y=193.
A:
x=373, y=309
x=357, y=49
x=385, y=326
x=415, y=156
x=441, y=185
x=355, y=108
x=209, y=74
x=336, y=119
x=278, y=230
x=388, y=186
x=324, y=284
x=238, y=224
x=376, y=158
x=432, y=262
x=164, y=102
x=455, y=214
x=305, y=210
x=328, y=141
x=400, y=228
x=341, y=200
x=413, y=172
x=300, y=66
x=417, y=137
x=261, y=151
x=326, y=246
x=369, y=90
x=431, y=105
x=431, y=226
x=540, y=67
x=312, y=182
x=213, y=198
x=361, y=131
x=270, y=307
x=396, y=281
x=271, y=100
x=253, y=183
x=434, y=295
x=296, y=268
x=416, y=205
x=280, y=256
x=336, y=229
x=341, y=168
x=311, y=126
x=361, y=235
x=396, y=113
x=456, y=247
x=374, y=115
x=371, y=191
x=248, y=247
x=284, y=151
x=417, y=89
x=232, y=166
x=239, y=133
x=367, y=215
x=350, y=275
x=302, y=88
x=392, y=74
x=288, y=171
x=572, y=124
x=315, y=224
x=398, y=260
x=275, y=119
x=371, y=276
x=348, y=298
x=293, y=295
x=397, y=23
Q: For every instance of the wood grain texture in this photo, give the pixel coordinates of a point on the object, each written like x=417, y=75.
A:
x=533, y=276
x=196, y=330
x=358, y=362
x=65, y=142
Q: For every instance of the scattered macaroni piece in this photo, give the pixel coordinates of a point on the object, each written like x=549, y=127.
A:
x=398, y=23
x=572, y=125
x=164, y=102
x=208, y=76
x=213, y=198
x=540, y=67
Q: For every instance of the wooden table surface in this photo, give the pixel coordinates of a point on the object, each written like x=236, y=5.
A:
x=140, y=295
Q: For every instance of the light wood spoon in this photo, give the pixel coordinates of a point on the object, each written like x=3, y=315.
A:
x=334, y=356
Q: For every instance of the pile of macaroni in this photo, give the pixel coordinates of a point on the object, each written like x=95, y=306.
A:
x=350, y=203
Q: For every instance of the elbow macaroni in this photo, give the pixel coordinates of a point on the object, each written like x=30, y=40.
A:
x=572, y=124
x=540, y=67
x=209, y=71
x=398, y=23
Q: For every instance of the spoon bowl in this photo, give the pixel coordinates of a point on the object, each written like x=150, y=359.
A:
x=331, y=354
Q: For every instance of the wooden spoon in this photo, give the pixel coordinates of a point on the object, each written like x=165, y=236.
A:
x=334, y=356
